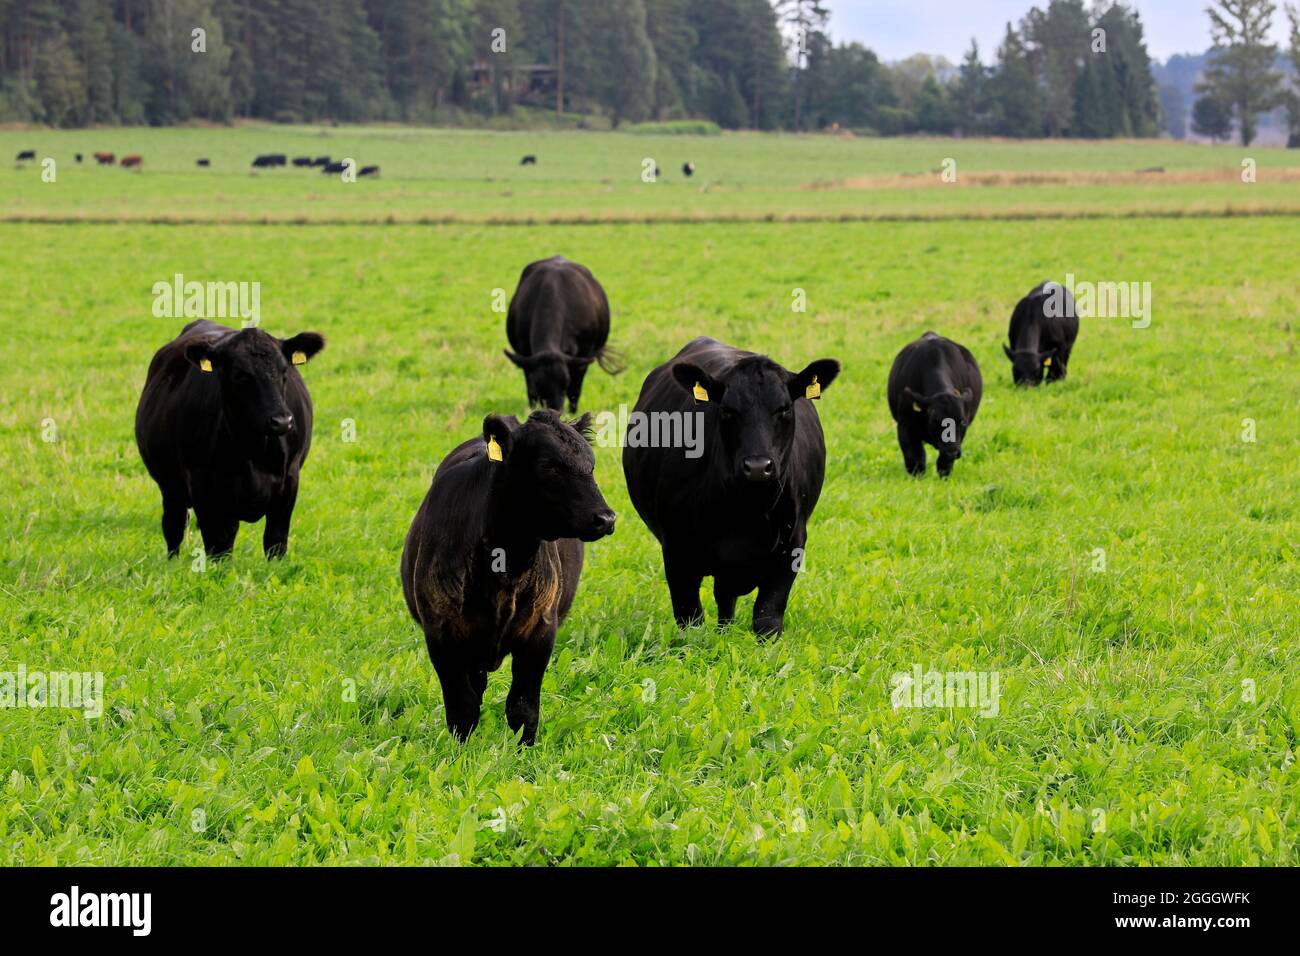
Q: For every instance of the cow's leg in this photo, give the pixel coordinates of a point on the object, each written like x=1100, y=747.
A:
x=218, y=530
x=684, y=587
x=528, y=662
x=275, y=536
x=176, y=513
x=913, y=450
x=462, y=692
x=1059, y=365
x=576, y=374
x=769, y=606
x=726, y=601
x=944, y=465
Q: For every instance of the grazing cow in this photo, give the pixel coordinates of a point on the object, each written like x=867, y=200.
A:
x=738, y=511
x=1044, y=326
x=77, y=156
x=26, y=154
x=558, y=324
x=688, y=169
x=105, y=159
x=132, y=162
x=529, y=160
x=492, y=560
x=204, y=163
x=321, y=161
x=223, y=426
x=302, y=160
x=934, y=393
x=368, y=171
x=269, y=160
x=334, y=167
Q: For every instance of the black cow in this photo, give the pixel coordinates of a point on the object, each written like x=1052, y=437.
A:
x=1044, y=326
x=224, y=425
x=302, y=160
x=558, y=325
x=934, y=393
x=268, y=160
x=26, y=154
x=739, y=510
x=492, y=560
x=368, y=171
x=204, y=163
x=78, y=157
x=334, y=167
x=321, y=161
x=688, y=169
x=529, y=160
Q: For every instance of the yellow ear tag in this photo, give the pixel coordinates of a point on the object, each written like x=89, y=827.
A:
x=700, y=394
x=814, y=389
x=299, y=358
x=494, y=450
x=205, y=365
x=1047, y=361
x=916, y=407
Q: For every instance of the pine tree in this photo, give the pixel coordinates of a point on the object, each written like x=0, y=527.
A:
x=1241, y=73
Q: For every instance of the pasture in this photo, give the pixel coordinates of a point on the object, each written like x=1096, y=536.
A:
x=281, y=713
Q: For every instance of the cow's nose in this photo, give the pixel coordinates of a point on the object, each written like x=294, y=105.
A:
x=280, y=424
x=757, y=468
x=955, y=453
x=603, y=523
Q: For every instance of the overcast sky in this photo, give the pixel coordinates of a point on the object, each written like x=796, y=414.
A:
x=898, y=28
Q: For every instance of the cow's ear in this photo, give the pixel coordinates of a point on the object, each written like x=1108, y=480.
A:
x=302, y=347
x=916, y=401
x=1007, y=348
x=815, y=379
x=698, y=382
x=519, y=360
x=200, y=355
x=966, y=394
x=499, y=434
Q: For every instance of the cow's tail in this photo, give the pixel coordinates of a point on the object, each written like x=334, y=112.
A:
x=610, y=360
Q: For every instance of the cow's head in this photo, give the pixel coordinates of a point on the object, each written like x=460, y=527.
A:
x=752, y=412
x=547, y=375
x=546, y=475
x=946, y=415
x=253, y=369
x=1028, y=365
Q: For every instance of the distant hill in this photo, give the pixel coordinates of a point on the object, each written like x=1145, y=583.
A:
x=1176, y=79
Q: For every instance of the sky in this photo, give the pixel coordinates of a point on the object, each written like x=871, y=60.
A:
x=898, y=28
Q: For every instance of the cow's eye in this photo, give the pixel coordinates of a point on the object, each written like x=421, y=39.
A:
x=785, y=413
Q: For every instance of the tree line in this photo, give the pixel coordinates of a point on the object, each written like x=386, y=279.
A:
x=1065, y=70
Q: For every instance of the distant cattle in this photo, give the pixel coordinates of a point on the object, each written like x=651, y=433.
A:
x=934, y=392
x=131, y=162
x=529, y=160
x=334, y=167
x=77, y=156
x=369, y=171
x=224, y=426
x=25, y=154
x=688, y=169
x=269, y=160
x=105, y=159
x=204, y=163
x=302, y=160
x=492, y=559
x=557, y=325
x=321, y=161
x=1043, y=328
x=737, y=508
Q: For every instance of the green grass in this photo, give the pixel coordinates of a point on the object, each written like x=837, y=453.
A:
x=475, y=176
x=229, y=691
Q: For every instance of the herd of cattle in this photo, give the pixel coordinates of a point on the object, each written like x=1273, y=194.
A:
x=491, y=563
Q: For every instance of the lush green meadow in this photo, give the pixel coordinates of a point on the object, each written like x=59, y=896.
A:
x=473, y=176
x=287, y=713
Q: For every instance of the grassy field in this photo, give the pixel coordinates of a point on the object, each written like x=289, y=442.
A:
x=287, y=713
x=460, y=176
